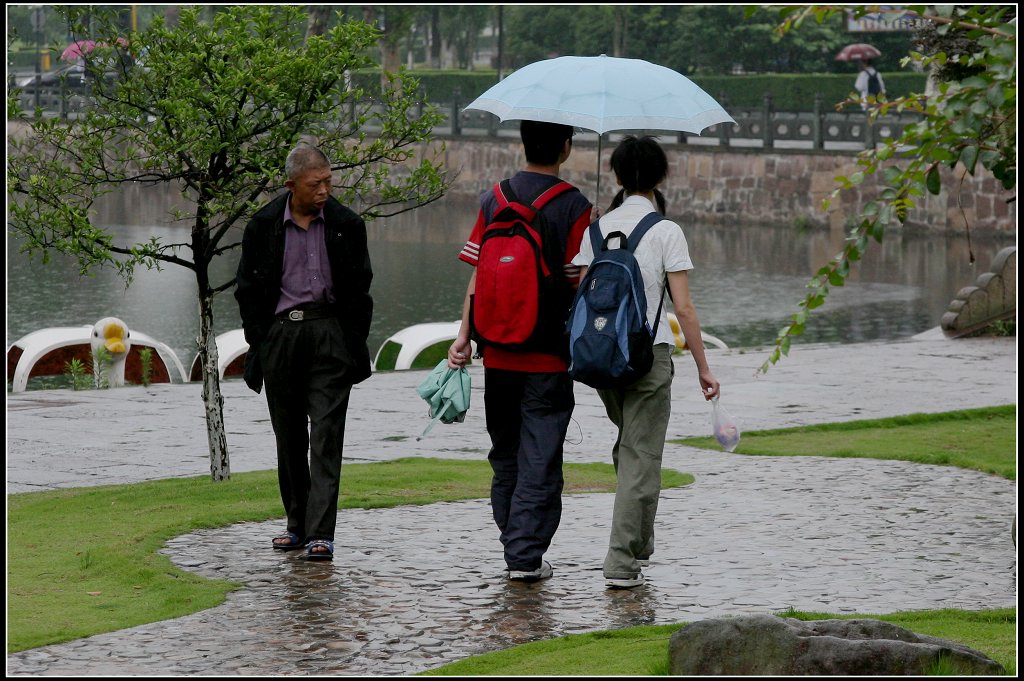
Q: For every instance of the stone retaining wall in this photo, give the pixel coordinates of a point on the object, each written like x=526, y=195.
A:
x=747, y=186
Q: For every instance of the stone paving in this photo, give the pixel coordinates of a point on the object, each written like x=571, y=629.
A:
x=412, y=588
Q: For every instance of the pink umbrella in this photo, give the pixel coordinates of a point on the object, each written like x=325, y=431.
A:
x=858, y=52
x=80, y=48
x=77, y=50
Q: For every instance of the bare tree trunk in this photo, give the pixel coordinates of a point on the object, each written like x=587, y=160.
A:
x=500, y=62
x=391, y=59
x=435, y=37
x=171, y=16
x=620, y=30
x=319, y=16
x=213, y=399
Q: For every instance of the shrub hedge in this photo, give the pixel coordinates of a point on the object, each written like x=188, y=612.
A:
x=790, y=92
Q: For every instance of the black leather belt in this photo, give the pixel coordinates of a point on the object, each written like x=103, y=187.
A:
x=305, y=315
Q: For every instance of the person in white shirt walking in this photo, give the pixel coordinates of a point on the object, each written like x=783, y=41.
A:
x=642, y=409
x=869, y=83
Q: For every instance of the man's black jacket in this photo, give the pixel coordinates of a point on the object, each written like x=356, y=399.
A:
x=259, y=281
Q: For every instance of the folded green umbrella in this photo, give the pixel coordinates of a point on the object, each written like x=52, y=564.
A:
x=446, y=390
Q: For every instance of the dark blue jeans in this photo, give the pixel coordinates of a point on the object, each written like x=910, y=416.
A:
x=527, y=418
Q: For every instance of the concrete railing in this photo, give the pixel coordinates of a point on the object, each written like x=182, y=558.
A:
x=761, y=127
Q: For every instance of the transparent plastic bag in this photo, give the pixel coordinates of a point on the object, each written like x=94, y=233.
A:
x=724, y=426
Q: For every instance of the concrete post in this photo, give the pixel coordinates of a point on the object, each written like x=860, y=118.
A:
x=455, y=116
x=819, y=122
x=723, y=128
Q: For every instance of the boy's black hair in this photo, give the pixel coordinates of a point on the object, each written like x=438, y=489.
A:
x=543, y=142
x=639, y=163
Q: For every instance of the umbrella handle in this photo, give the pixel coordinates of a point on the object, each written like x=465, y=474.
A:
x=597, y=197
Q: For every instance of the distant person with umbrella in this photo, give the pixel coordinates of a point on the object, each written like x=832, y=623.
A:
x=528, y=394
x=641, y=410
x=869, y=83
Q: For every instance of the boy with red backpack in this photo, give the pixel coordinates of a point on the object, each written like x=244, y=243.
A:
x=527, y=232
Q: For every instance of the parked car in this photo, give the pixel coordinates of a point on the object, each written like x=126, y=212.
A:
x=73, y=75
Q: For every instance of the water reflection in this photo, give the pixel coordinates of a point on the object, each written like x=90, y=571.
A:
x=747, y=282
x=632, y=607
x=523, y=614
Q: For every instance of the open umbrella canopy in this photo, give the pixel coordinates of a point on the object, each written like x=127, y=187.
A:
x=603, y=94
x=80, y=48
x=77, y=50
x=858, y=52
x=447, y=392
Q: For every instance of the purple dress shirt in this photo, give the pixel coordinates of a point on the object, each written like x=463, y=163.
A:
x=307, y=272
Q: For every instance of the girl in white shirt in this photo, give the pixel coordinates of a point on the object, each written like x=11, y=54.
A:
x=641, y=410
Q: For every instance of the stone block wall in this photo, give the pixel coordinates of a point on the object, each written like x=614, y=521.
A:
x=712, y=185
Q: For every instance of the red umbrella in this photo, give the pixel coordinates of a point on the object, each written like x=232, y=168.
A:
x=858, y=52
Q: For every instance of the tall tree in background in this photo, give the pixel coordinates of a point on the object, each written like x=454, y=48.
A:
x=319, y=18
x=213, y=114
x=533, y=35
x=461, y=27
x=620, y=29
x=393, y=23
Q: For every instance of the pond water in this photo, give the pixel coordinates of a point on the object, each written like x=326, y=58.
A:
x=746, y=283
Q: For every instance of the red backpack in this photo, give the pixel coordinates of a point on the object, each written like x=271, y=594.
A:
x=522, y=297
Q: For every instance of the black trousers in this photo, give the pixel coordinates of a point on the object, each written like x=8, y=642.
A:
x=306, y=369
x=528, y=415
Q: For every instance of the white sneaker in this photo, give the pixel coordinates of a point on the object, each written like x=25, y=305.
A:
x=543, y=572
x=644, y=562
x=628, y=583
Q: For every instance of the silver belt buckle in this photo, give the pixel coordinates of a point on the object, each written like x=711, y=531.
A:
x=295, y=315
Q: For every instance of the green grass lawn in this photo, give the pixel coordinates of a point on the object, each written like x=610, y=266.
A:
x=977, y=439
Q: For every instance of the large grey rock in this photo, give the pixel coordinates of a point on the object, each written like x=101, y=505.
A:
x=765, y=645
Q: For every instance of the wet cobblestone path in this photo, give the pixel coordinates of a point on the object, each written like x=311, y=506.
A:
x=412, y=588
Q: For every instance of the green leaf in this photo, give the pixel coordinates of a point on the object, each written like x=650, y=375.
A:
x=933, y=181
x=815, y=301
x=969, y=157
x=784, y=345
x=980, y=107
x=892, y=174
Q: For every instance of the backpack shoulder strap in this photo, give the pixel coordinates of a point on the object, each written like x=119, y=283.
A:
x=596, y=240
x=643, y=227
x=504, y=194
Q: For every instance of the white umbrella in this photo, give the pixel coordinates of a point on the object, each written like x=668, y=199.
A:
x=603, y=94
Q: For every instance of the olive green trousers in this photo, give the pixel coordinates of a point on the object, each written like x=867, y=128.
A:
x=640, y=411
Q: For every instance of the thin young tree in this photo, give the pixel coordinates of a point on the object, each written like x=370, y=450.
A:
x=211, y=108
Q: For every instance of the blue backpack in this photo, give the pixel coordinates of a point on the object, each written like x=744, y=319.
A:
x=611, y=343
